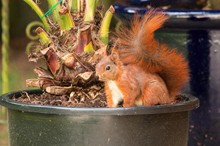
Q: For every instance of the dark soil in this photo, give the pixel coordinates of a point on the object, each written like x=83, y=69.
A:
x=77, y=99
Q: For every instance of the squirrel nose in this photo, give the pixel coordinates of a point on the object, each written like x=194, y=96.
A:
x=97, y=76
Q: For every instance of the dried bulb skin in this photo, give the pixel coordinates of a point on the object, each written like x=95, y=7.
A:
x=68, y=46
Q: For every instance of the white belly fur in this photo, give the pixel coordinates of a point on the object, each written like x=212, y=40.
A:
x=117, y=96
x=138, y=102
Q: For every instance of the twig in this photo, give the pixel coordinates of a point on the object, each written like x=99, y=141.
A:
x=27, y=95
x=81, y=63
x=86, y=95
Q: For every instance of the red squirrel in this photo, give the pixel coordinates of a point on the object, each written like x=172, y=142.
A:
x=140, y=70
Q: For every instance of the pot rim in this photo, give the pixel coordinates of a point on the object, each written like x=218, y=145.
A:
x=191, y=104
x=179, y=19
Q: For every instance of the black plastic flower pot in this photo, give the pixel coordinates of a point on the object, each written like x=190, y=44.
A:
x=37, y=125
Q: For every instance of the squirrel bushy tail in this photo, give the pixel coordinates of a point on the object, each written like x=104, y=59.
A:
x=137, y=45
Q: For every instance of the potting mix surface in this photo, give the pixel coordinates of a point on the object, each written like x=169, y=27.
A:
x=80, y=98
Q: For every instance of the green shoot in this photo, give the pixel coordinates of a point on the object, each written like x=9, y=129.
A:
x=89, y=48
x=85, y=40
x=82, y=5
x=66, y=21
x=29, y=47
x=73, y=5
x=104, y=30
x=35, y=7
x=29, y=27
x=55, y=12
x=90, y=10
x=78, y=6
x=44, y=38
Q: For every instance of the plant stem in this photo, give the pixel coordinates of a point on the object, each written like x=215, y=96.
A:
x=66, y=21
x=29, y=27
x=104, y=30
x=78, y=6
x=35, y=7
x=106, y=4
x=82, y=5
x=55, y=12
x=89, y=48
x=29, y=47
x=74, y=5
x=44, y=38
x=5, y=46
x=90, y=10
x=85, y=40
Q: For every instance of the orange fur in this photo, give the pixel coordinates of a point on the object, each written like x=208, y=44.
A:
x=140, y=70
x=135, y=84
x=137, y=45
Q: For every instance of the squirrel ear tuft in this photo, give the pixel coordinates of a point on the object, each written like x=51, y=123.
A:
x=114, y=56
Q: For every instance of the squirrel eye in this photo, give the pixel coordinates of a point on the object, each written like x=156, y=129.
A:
x=107, y=67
